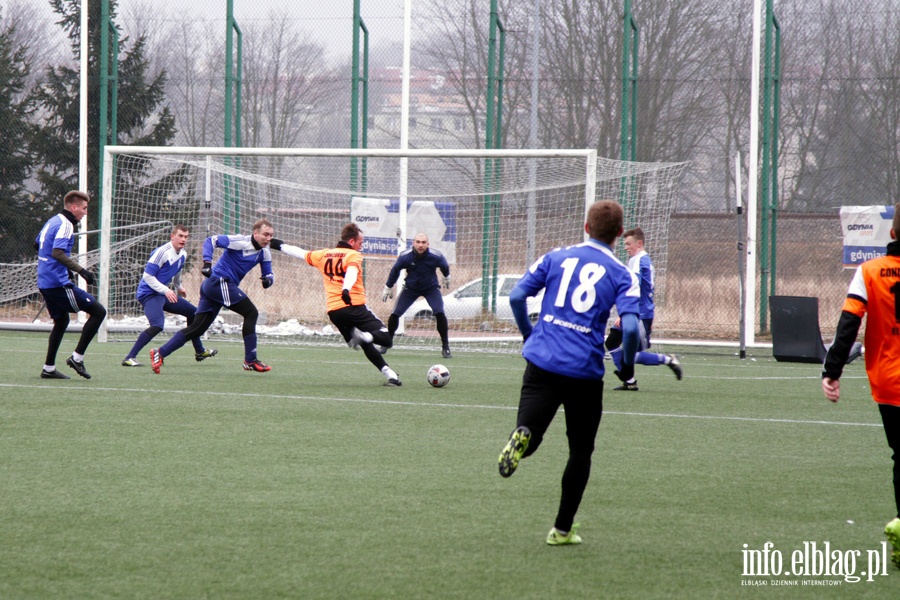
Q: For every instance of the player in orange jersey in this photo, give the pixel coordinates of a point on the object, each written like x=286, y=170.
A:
x=875, y=290
x=345, y=295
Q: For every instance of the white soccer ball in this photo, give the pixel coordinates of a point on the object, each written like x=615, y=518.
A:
x=438, y=376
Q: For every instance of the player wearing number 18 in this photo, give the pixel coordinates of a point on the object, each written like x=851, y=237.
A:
x=564, y=352
x=345, y=295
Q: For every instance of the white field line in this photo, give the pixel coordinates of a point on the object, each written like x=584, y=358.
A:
x=154, y=393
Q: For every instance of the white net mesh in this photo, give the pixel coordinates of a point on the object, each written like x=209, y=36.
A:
x=491, y=216
x=20, y=299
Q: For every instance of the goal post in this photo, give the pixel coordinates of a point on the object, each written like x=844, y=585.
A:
x=308, y=194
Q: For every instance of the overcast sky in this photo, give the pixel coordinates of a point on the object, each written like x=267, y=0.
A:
x=328, y=21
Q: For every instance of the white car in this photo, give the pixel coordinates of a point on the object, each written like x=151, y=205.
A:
x=465, y=302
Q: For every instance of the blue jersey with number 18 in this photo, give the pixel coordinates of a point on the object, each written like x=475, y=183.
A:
x=582, y=283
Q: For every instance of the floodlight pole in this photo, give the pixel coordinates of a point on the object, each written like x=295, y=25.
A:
x=402, y=235
x=530, y=217
x=83, y=136
x=740, y=247
x=753, y=175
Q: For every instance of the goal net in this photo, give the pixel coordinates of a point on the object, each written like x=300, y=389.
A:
x=492, y=213
x=21, y=303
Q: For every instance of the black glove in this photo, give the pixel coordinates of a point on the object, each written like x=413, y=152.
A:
x=267, y=281
x=207, y=269
x=86, y=275
x=275, y=244
x=345, y=296
x=36, y=246
x=626, y=374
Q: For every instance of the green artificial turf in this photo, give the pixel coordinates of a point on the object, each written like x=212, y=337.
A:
x=315, y=481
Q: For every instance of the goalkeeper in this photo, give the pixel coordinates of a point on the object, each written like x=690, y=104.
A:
x=242, y=253
x=420, y=263
x=164, y=265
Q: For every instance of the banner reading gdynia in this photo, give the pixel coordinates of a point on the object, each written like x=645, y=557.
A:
x=379, y=220
x=867, y=231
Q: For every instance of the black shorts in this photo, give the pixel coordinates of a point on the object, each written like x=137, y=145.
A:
x=360, y=317
x=543, y=392
x=64, y=300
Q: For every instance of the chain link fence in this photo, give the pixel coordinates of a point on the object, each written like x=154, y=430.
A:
x=836, y=139
x=702, y=284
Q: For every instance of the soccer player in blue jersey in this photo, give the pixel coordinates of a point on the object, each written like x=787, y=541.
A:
x=640, y=264
x=155, y=295
x=420, y=263
x=564, y=352
x=54, y=245
x=242, y=253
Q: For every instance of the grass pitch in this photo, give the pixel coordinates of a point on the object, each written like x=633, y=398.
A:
x=315, y=481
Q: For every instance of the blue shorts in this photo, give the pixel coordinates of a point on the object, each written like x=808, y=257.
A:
x=217, y=292
x=432, y=297
x=64, y=300
x=156, y=304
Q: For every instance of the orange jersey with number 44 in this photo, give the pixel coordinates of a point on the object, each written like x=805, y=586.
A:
x=333, y=264
x=875, y=293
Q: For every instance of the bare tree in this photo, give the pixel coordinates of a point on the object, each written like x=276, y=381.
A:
x=285, y=83
x=33, y=30
x=194, y=55
x=879, y=100
x=456, y=44
x=580, y=63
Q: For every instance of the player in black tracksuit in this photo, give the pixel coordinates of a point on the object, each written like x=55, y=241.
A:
x=420, y=264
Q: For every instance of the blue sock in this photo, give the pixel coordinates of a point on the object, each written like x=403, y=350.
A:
x=616, y=355
x=198, y=345
x=250, y=347
x=142, y=341
x=650, y=358
x=177, y=341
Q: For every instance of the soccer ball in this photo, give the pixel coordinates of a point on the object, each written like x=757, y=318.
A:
x=438, y=376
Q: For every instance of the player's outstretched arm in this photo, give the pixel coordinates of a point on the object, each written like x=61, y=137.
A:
x=290, y=250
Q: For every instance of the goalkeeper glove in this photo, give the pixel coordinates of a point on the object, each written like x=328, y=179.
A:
x=275, y=244
x=207, y=268
x=267, y=281
x=345, y=296
x=387, y=293
x=87, y=276
x=446, y=282
x=626, y=374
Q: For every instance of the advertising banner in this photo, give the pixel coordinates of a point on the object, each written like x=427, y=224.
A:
x=867, y=231
x=379, y=220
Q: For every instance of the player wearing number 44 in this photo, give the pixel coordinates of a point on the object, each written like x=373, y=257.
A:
x=345, y=295
x=564, y=352
x=242, y=253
